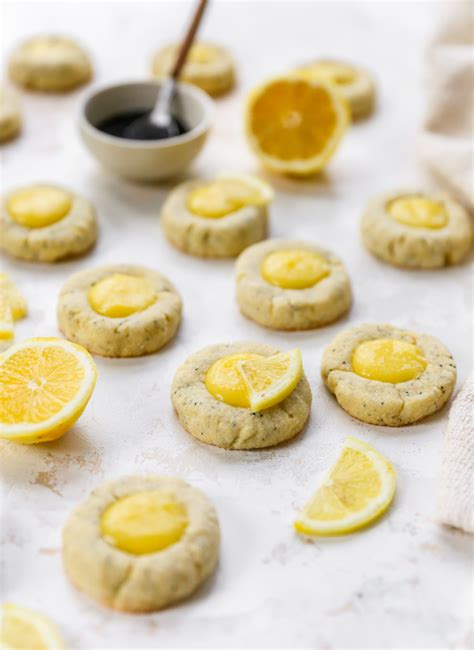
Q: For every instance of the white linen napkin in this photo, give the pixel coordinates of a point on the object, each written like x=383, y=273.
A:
x=445, y=144
x=456, y=491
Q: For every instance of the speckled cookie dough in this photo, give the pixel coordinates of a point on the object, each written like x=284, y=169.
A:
x=416, y=230
x=132, y=320
x=208, y=237
x=217, y=423
x=355, y=83
x=10, y=115
x=385, y=402
x=49, y=63
x=321, y=302
x=141, y=579
x=46, y=223
x=210, y=67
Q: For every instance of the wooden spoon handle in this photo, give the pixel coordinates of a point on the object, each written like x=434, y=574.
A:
x=188, y=39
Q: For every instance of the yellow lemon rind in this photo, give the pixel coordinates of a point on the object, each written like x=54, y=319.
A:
x=58, y=424
x=280, y=389
x=299, y=167
x=50, y=636
x=309, y=526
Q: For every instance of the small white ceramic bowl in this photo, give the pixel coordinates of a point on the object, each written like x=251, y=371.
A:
x=145, y=160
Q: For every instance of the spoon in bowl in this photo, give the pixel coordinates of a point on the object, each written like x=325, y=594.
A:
x=160, y=122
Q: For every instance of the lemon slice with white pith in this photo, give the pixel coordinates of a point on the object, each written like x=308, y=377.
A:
x=357, y=490
x=24, y=629
x=228, y=193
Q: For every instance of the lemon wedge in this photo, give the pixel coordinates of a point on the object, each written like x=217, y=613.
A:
x=17, y=303
x=356, y=490
x=258, y=192
x=269, y=380
x=24, y=629
x=294, y=124
x=228, y=193
x=46, y=384
x=6, y=317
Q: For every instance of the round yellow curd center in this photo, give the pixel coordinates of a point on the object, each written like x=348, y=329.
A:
x=48, y=47
x=120, y=295
x=388, y=360
x=145, y=522
x=225, y=383
x=37, y=207
x=201, y=53
x=418, y=212
x=219, y=198
x=294, y=269
x=335, y=73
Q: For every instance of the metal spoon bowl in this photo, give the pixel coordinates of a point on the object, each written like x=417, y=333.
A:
x=160, y=123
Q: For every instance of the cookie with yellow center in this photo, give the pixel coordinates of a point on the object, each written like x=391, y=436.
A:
x=10, y=115
x=353, y=82
x=242, y=395
x=291, y=285
x=46, y=223
x=384, y=375
x=209, y=66
x=50, y=63
x=119, y=310
x=217, y=218
x=417, y=230
x=141, y=543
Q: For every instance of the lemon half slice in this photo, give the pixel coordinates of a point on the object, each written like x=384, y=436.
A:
x=24, y=629
x=269, y=380
x=227, y=194
x=262, y=192
x=356, y=490
x=46, y=384
x=6, y=317
x=294, y=125
x=17, y=302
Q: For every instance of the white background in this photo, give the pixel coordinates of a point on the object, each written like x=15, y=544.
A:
x=405, y=582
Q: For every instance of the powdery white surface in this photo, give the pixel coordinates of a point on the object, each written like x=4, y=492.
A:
x=405, y=582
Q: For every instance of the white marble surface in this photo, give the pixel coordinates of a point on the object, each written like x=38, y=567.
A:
x=405, y=582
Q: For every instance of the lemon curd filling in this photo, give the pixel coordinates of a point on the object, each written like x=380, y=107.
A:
x=219, y=198
x=201, y=53
x=145, y=522
x=45, y=47
x=225, y=383
x=418, y=212
x=294, y=269
x=120, y=295
x=388, y=360
x=40, y=206
x=336, y=73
